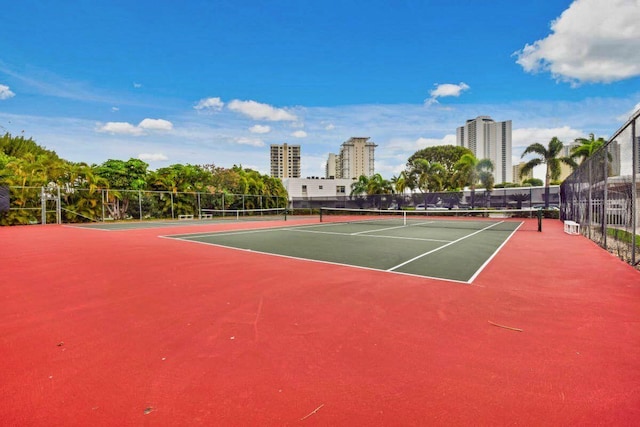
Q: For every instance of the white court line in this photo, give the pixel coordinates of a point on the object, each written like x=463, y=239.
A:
x=472, y=278
x=443, y=246
x=316, y=260
x=376, y=230
x=361, y=235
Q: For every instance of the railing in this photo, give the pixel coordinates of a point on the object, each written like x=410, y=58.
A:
x=602, y=194
x=64, y=204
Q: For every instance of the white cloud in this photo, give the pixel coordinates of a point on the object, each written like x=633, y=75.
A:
x=209, y=104
x=258, y=111
x=5, y=92
x=299, y=134
x=137, y=85
x=156, y=125
x=626, y=116
x=120, y=128
x=152, y=157
x=114, y=109
x=260, y=129
x=446, y=89
x=253, y=142
x=591, y=41
x=421, y=142
x=125, y=128
x=330, y=126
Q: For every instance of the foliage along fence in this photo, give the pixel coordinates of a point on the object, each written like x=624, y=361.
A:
x=498, y=198
x=56, y=204
x=602, y=194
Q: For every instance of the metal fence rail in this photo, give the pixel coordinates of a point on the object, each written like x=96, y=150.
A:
x=498, y=198
x=602, y=194
x=64, y=204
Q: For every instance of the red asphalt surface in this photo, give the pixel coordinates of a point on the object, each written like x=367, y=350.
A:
x=125, y=328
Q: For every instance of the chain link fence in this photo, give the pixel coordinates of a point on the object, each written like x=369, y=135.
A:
x=498, y=198
x=56, y=204
x=602, y=194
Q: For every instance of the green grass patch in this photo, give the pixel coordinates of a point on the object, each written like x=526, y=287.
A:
x=623, y=235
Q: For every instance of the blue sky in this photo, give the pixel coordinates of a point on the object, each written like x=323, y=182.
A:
x=203, y=82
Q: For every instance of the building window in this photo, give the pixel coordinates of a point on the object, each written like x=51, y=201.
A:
x=320, y=187
x=304, y=188
x=340, y=189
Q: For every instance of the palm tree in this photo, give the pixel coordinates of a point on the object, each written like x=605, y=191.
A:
x=360, y=186
x=471, y=170
x=400, y=183
x=430, y=175
x=371, y=186
x=587, y=147
x=549, y=156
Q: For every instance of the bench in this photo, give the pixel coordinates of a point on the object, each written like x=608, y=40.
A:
x=185, y=216
x=571, y=227
x=206, y=216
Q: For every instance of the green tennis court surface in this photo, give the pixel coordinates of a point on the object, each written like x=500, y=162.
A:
x=449, y=249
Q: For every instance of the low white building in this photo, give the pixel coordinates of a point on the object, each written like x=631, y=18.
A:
x=316, y=192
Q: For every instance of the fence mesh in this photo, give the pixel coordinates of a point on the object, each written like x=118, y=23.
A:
x=601, y=195
x=498, y=198
x=64, y=204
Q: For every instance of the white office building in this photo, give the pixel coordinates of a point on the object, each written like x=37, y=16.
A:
x=488, y=139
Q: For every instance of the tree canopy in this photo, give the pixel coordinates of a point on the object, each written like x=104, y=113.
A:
x=446, y=156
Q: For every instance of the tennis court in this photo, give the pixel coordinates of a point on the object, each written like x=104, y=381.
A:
x=119, y=326
x=437, y=246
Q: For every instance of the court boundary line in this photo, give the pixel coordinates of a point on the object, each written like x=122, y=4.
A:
x=482, y=267
x=190, y=237
x=444, y=246
x=167, y=224
x=360, y=234
x=299, y=229
x=316, y=260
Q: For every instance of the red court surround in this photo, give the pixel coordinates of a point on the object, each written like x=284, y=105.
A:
x=125, y=328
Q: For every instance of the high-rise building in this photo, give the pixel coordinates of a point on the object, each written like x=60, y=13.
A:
x=565, y=169
x=516, y=173
x=332, y=168
x=488, y=139
x=356, y=158
x=285, y=161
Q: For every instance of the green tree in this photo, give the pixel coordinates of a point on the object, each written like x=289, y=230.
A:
x=550, y=156
x=430, y=176
x=400, y=183
x=534, y=182
x=586, y=147
x=471, y=171
x=446, y=155
x=121, y=177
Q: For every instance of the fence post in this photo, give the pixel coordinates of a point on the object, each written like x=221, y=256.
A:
x=635, y=145
x=140, y=203
x=43, y=202
x=102, y=194
x=58, y=207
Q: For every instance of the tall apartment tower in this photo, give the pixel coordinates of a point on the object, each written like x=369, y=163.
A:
x=356, y=158
x=332, y=168
x=285, y=161
x=491, y=140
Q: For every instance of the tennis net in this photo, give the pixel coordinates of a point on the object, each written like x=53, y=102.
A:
x=244, y=214
x=504, y=219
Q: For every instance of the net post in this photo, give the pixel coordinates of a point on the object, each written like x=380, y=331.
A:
x=321, y=214
x=539, y=215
